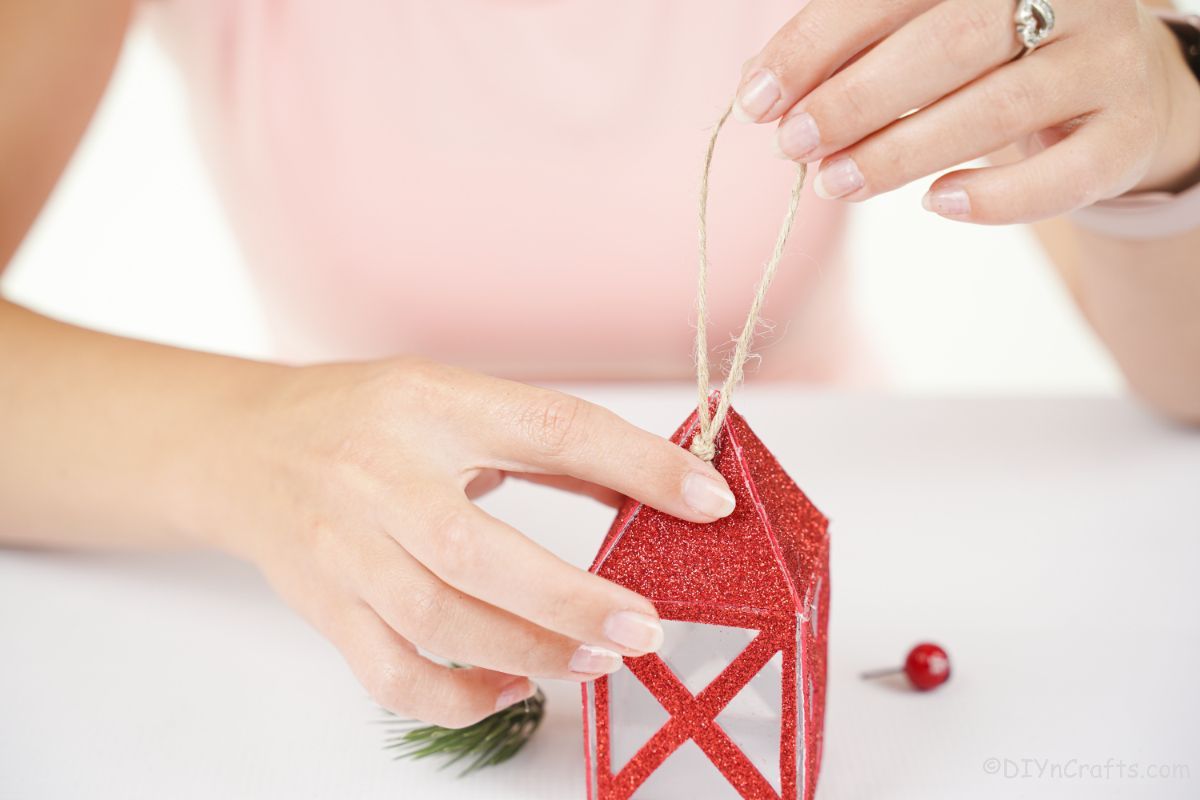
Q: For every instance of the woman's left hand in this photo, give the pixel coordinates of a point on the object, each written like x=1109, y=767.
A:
x=1105, y=105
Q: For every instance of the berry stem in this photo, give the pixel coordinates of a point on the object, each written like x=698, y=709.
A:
x=882, y=673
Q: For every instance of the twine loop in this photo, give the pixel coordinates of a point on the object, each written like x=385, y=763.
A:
x=704, y=443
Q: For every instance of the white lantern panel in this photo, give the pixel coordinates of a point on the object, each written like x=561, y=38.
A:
x=687, y=774
x=697, y=653
x=753, y=720
x=633, y=717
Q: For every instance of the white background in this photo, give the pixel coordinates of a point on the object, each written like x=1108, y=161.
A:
x=134, y=241
x=1049, y=544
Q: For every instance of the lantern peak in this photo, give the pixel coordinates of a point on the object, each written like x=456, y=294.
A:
x=763, y=556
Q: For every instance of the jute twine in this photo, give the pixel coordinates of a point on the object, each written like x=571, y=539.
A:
x=704, y=443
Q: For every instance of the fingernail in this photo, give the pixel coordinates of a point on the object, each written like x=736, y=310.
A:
x=592, y=660
x=515, y=692
x=758, y=96
x=798, y=136
x=947, y=202
x=637, y=632
x=707, y=496
x=838, y=178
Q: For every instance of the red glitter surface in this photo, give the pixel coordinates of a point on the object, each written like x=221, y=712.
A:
x=764, y=567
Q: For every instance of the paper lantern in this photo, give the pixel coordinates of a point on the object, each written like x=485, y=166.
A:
x=732, y=706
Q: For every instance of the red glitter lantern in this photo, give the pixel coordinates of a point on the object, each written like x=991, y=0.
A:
x=732, y=706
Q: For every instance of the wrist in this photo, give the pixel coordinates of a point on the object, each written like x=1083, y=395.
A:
x=221, y=477
x=1176, y=167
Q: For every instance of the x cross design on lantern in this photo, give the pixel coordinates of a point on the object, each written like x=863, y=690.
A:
x=694, y=717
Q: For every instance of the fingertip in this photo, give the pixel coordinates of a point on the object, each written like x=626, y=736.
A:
x=515, y=692
x=708, y=495
x=777, y=150
x=741, y=115
x=758, y=96
x=589, y=662
x=634, y=632
x=950, y=201
x=471, y=694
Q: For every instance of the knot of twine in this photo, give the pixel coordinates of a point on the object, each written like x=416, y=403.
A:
x=704, y=443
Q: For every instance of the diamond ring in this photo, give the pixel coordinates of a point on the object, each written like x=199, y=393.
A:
x=1035, y=21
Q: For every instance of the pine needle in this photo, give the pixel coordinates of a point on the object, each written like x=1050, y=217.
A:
x=489, y=742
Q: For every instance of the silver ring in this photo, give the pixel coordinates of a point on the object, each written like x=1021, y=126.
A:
x=1035, y=21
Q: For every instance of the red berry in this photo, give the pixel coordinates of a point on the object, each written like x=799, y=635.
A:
x=927, y=666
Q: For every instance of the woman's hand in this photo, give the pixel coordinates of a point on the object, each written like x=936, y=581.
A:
x=352, y=492
x=1104, y=106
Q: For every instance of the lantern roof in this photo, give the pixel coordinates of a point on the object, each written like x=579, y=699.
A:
x=763, y=557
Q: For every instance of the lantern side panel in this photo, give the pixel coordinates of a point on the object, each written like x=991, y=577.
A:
x=812, y=636
x=591, y=736
x=799, y=529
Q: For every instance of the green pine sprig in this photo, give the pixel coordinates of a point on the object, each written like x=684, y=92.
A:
x=490, y=741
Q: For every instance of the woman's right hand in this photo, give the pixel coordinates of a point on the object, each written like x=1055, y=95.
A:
x=350, y=486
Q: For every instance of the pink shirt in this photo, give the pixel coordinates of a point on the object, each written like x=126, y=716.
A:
x=504, y=184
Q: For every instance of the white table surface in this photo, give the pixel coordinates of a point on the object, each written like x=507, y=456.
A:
x=1052, y=545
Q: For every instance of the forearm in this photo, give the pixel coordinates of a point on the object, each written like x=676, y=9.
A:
x=108, y=441
x=1142, y=296
x=1143, y=300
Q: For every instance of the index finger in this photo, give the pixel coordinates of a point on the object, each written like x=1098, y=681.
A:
x=812, y=46
x=544, y=431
